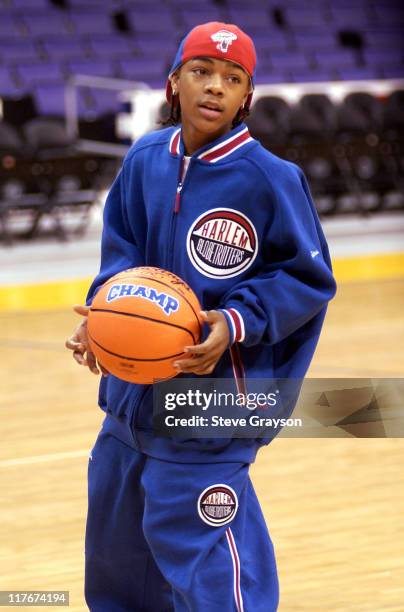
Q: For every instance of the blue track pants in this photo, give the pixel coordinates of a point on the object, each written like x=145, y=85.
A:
x=164, y=536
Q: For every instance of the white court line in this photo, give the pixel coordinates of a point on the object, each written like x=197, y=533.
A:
x=43, y=458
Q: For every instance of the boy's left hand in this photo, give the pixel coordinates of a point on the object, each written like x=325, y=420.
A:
x=204, y=357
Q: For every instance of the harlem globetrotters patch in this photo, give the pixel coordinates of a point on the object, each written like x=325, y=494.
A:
x=217, y=505
x=222, y=243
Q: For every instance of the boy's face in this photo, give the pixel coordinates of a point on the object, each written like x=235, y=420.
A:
x=211, y=92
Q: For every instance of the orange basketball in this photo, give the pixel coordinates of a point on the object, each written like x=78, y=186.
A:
x=140, y=321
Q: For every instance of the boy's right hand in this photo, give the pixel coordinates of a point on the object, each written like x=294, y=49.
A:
x=78, y=343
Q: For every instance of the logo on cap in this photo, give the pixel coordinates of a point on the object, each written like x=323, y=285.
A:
x=224, y=38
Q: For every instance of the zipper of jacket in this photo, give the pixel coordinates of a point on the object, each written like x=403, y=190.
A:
x=176, y=210
x=177, y=203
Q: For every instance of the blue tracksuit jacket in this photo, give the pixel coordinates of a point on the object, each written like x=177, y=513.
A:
x=243, y=232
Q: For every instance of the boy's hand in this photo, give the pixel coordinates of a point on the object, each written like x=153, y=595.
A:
x=204, y=357
x=78, y=343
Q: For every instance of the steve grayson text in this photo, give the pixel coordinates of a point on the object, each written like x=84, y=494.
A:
x=218, y=421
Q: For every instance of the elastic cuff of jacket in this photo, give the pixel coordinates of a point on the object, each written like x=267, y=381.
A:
x=90, y=298
x=235, y=323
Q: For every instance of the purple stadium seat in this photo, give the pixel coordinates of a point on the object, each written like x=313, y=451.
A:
x=381, y=3
x=185, y=5
x=312, y=76
x=315, y=39
x=39, y=72
x=282, y=61
x=253, y=4
x=384, y=57
x=152, y=47
x=295, y=4
x=105, y=101
x=310, y=16
x=335, y=58
x=10, y=26
x=393, y=72
x=271, y=41
x=347, y=4
x=50, y=100
x=250, y=19
x=112, y=46
x=389, y=15
x=173, y=3
x=151, y=18
x=91, y=4
x=64, y=49
x=92, y=67
x=199, y=14
x=350, y=16
x=30, y=5
x=43, y=24
x=19, y=50
x=7, y=83
x=266, y=78
x=149, y=70
x=92, y=22
x=72, y=37
x=86, y=103
x=358, y=74
x=383, y=37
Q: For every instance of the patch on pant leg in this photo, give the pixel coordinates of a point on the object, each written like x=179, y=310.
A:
x=217, y=505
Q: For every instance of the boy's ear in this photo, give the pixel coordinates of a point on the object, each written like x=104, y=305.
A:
x=245, y=98
x=250, y=89
x=174, y=78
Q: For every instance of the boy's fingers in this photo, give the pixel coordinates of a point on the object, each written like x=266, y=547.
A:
x=204, y=315
x=81, y=310
x=103, y=370
x=207, y=369
x=79, y=358
x=92, y=363
x=198, y=348
x=88, y=361
x=191, y=365
x=75, y=346
x=185, y=364
x=204, y=347
x=213, y=316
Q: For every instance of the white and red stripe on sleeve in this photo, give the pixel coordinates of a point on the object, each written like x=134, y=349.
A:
x=236, y=324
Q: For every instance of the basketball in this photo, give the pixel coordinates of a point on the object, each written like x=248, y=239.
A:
x=140, y=321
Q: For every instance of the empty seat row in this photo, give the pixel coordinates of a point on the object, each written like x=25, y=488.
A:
x=45, y=178
x=354, y=147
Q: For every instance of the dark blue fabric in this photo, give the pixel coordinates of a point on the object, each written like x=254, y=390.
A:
x=148, y=550
x=282, y=296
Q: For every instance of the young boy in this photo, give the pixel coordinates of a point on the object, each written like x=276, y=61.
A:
x=208, y=202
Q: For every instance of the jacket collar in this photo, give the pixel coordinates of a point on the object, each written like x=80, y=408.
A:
x=217, y=149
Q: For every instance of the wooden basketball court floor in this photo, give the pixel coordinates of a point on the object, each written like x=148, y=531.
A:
x=334, y=507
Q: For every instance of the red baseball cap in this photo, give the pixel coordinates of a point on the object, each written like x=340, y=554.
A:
x=223, y=41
